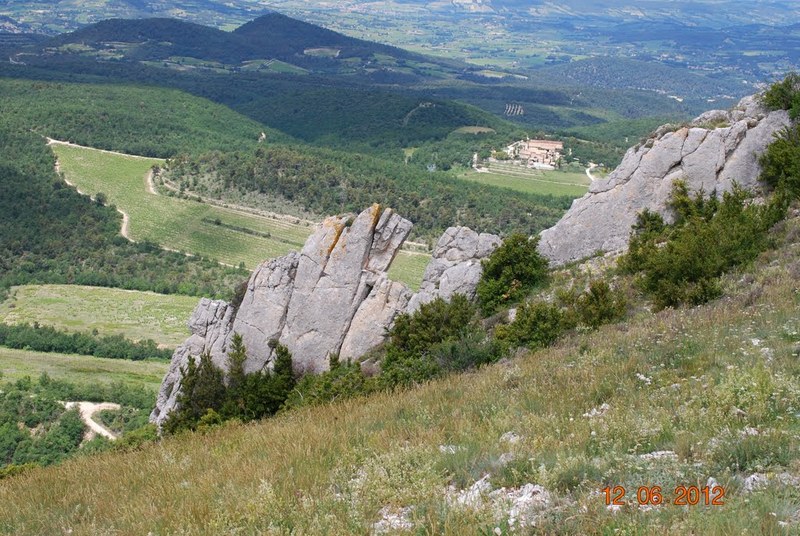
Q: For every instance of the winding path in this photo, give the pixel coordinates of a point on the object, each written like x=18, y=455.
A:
x=151, y=189
x=125, y=218
x=589, y=171
x=87, y=411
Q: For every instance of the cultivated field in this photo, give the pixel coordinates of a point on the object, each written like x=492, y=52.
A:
x=81, y=369
x=191, y=226
x=136, y=315
x=518, y=178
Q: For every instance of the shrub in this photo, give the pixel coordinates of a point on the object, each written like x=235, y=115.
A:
x=784, y=95
x=537, y=325
x=599, y=305
x=434, y=322
x=202, y=388
x=681, y=263
x=135, y=439
x=646, y=231
x=780, y=164
x=342, y=381
x=510, y=272
x=206, y=400
x=262, y=393
x=440, y=337
x=471, y=350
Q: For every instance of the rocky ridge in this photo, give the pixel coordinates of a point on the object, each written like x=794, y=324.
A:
x=334, y=296
x=715, y=150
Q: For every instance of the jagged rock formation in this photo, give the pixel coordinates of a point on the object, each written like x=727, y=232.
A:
x=707, y=158
x=456, y=265
x=332, y=297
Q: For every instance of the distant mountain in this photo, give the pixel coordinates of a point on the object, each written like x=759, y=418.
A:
x=299, y=47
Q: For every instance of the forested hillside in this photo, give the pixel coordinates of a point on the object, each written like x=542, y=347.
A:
x=329, y=182
x=51, y=234
x=147, y=121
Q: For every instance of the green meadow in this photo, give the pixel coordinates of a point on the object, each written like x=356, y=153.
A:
x=81, y=369
x=557, y=183
x=226, y=234
x=134, y=314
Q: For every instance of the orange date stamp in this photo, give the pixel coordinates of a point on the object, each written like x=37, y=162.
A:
x=653, y=495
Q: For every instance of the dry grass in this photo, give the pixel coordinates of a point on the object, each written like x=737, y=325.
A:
x=716, y=385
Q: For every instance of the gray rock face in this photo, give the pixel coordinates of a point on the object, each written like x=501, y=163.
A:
x=334, y=296
x=374, y=316
x=456, y=265
x=707, y=158
x=210, y=326
x=331, y=297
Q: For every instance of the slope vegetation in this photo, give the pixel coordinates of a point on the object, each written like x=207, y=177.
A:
x=669, y=400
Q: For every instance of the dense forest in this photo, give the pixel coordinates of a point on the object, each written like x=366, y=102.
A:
x=147, y=121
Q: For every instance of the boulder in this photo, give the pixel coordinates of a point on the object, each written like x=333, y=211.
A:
x=708, y=159
x=455, y=266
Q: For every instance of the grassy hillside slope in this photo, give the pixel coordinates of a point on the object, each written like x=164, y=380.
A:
x=668, y=399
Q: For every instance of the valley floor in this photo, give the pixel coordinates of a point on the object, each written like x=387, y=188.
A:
x=219, y=232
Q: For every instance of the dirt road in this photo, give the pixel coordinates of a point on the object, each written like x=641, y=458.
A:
x=87, y=411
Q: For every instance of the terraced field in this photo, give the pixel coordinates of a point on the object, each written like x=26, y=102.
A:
x=531, y=181
x=228, y=235
x=81, y=369
x=136, y=315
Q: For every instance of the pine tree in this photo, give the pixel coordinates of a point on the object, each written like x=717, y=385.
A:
x=202, y=388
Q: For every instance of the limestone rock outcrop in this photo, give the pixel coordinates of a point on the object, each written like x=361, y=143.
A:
x=705, y=157
x=456, y=265
x=333, y=296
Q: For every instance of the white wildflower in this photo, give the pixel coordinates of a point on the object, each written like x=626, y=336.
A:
x=597, y=412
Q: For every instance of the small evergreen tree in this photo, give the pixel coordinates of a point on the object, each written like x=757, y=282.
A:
x=202, y=388
x=235, y=396
x=510, y=273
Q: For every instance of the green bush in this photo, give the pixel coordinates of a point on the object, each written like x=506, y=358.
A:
x=599, y=305
x=784, y=95
x=135, y=439
x=537, y=325
x=202, y=388
x=433, y=323
x=780, y=164
x=681, y=263
x=342, y=381
x=646, y=231
x=510, y=272
x=440, y=337
x=206, y=399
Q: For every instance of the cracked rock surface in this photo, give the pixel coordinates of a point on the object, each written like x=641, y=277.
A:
x=334, y=296
x=706, y=158
x=455, y=267
x=331, y=297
